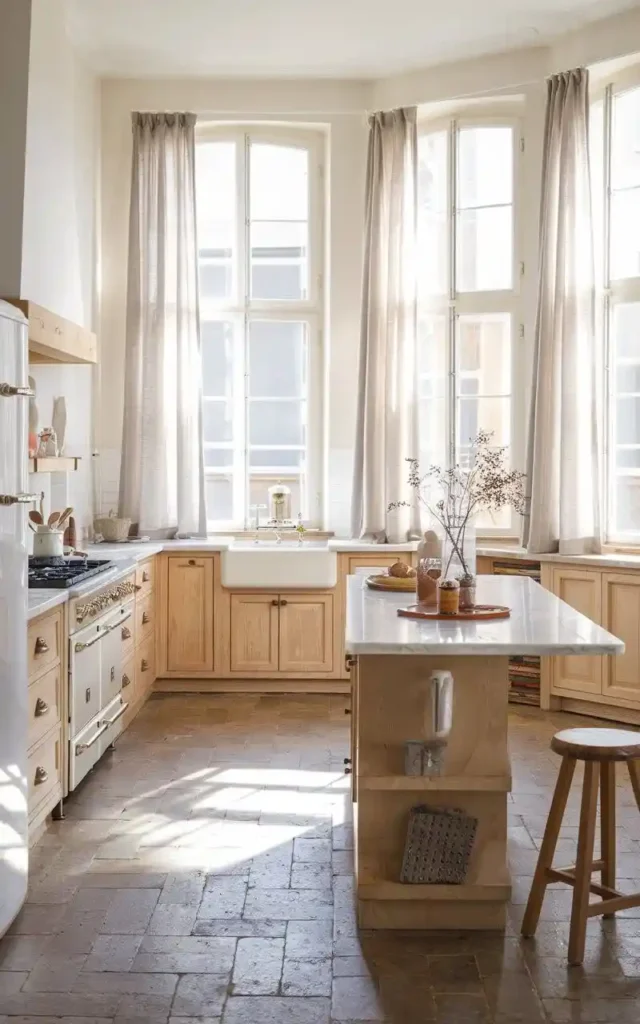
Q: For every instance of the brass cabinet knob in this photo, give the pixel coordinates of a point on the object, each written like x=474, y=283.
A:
x=275, y=602
x=346, y=760
x=145, y=618
x=125, y=680
x=144, y=665
x=145, y=577
x=41, y=776
x=41, y=646
x=347, y=711
x=347, y=771
x=349, y=663
x=192, y=561
x=283, y=603
x=126, y=633
x=137, y=586
x=41, y=708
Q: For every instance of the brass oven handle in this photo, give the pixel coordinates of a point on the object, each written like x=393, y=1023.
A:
x=41, y=708
x=82, y=646
x=117, y=624
x=14, y=391
x=80, y=747
x=125, y=680
x=41, y=645
x=119, y=713
x=41, y=776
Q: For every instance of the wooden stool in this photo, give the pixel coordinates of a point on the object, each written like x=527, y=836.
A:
x=595, y=747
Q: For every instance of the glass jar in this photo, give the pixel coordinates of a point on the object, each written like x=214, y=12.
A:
x=459, y=559
x=428, y=573
x=448, y=597
x=467, y=592
x=279, y=503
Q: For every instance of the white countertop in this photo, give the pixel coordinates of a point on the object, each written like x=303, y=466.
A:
x=41, y=601
x=610, y=560
x=540, y=623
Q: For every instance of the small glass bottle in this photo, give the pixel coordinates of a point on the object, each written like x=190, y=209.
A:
x=448, y=597
x=428, y=570
x=467, y=592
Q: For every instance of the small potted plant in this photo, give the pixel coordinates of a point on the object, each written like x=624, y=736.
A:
x=454, y=497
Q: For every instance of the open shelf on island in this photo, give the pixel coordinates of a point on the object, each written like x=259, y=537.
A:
x=430, y=783
x=61, y=464
x=404, y=891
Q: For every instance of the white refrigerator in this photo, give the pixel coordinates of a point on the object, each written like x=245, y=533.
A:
x=14, y=506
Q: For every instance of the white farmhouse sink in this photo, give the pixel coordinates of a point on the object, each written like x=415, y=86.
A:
x=269, y=565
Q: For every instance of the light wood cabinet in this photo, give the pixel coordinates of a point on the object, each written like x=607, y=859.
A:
x=580, y=588
x=254, y=633
x=47, y=697
x=52, y=339
x=306, y=633
x=190, y=614
x=621, y=616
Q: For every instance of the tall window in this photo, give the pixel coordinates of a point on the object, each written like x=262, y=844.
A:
x=468, y=289
x=260, y=255
x=616, y=174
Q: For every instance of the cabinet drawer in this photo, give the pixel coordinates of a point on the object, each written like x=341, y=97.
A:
x=128, y=681
x=44, y=773
x=44, y=643
x=377, y=561
x=145, y=578
x=145, y=666
x=145, y=618
x=44, y=704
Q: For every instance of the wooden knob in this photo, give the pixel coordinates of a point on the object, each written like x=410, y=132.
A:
x=41, y=708
x=125, y=680
x=41, y=776
x=126, y=633
x=41, y=645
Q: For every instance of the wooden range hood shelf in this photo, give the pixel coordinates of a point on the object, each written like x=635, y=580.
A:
x=52, y=339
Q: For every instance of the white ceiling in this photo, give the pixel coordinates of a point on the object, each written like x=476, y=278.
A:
x=311, y=38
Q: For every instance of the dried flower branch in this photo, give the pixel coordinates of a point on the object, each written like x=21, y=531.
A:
x=487, y=485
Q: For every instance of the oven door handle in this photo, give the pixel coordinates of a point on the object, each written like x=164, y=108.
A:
x=119, y=622
x=81, y=747
x=83, y=646
x=121, y=710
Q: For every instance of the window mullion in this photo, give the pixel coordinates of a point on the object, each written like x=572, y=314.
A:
x=452, y=325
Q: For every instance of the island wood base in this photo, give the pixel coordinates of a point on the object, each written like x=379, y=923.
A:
x=391, y=702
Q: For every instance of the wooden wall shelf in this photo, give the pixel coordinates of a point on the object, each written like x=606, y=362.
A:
x=51, y=465
x=52, y=339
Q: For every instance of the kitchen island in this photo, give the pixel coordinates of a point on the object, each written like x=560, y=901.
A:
x=391, y=662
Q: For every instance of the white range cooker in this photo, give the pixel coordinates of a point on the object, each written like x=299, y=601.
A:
x=99, y=614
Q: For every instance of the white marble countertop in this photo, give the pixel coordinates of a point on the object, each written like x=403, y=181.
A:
x=540, y=623
x=610, y=560
x=41, y=601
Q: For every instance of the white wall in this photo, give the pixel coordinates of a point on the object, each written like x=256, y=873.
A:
x=338, y=105
x=59, y=245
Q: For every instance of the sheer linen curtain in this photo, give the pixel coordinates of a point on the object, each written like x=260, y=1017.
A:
x=162, y=471
x=387, y=412
x=563, y=448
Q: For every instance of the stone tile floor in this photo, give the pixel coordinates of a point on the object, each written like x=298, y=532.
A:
x=203, y=874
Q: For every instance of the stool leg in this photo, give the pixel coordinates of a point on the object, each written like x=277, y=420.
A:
x=608, y=824
x=584, y=862
x=548, y=848
x=634, y=775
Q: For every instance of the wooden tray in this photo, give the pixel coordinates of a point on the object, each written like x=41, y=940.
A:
x=481, y=612
x=395, y=584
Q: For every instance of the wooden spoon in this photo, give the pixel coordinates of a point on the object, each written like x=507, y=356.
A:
x=35, y=517
x=53, y=519
x=64, y=516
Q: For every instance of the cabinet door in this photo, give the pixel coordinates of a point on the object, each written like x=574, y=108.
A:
x=306, y=633
x=581, y=589
x=190, y=614
x=621, y=608
x=254, y=633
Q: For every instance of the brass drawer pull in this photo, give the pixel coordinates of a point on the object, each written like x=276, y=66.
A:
x=144, y=665
x=145, y=618
x=145, y=577
x=119, y=713
x=83, y=646
x=125, y=680
x=41, y=647
x=349, y=662
x=126, y=633
x=41, y=708
x=41, y=776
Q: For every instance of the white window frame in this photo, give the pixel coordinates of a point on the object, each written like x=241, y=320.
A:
x=456, y=304
x=611, y=293
x=240, y=309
